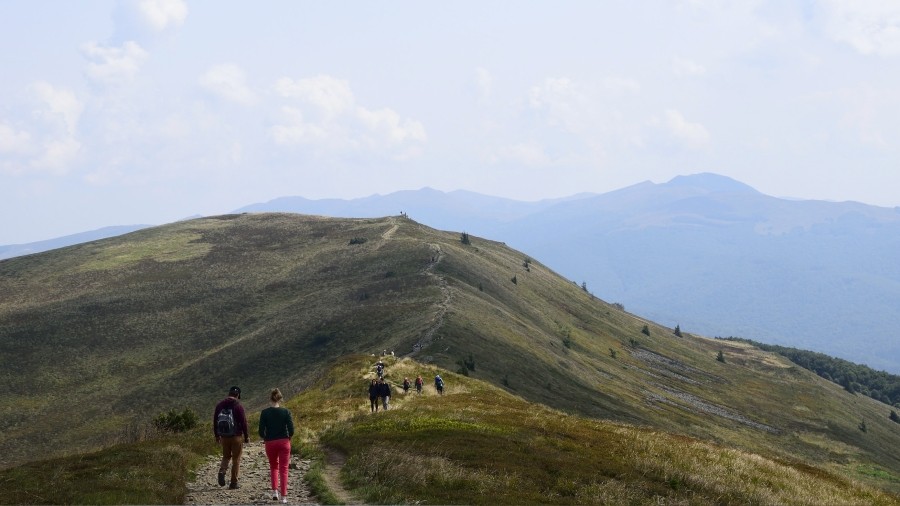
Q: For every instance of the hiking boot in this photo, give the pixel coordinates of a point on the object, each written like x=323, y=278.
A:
x=221, y=479
x=284, y=500
x=275, y=495
x=233, y=485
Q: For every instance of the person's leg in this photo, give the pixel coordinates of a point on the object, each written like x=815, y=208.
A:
x=272, y=455
x=284, y=461
x=226, y=458
x=237, y=449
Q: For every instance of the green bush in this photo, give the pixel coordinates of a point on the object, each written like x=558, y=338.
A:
x=174, y=421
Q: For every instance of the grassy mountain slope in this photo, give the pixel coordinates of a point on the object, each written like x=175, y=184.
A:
x=477, y=444
x=171, y=316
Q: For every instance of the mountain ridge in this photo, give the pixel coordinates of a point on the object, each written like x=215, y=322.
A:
x=170, y=316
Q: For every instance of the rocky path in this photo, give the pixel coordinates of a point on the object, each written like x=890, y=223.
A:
x=254, y=481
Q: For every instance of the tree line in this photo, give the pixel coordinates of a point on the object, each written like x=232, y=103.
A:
x=855, y=378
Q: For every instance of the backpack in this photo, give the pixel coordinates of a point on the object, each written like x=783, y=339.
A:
x=225, y=423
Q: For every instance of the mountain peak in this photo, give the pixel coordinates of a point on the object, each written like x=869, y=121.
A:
x=712, y=183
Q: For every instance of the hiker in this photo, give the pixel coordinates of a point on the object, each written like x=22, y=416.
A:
x=384, y=391
x=439, y=384
x=379, y=369
x=419, y=383
x=373, y=395
x=230, y=429
x=276, y=428
x=405, y=385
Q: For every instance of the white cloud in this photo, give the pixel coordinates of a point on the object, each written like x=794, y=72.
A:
x=325, y=116
x=692, y=135
x=229, y=82
x=684, y=67
x=160, y=14
x=870, y=26
x=59, y=106
x=12, y=140
x=330, y=95
x=113, y=65
x=57, y=155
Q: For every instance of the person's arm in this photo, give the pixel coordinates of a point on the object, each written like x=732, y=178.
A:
x=290, y=424
x=262, y=425
x=243, y=415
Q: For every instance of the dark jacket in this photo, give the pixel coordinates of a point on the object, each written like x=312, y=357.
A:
x=373, y=390
x=240, y=418
x=384, y=390
x=275, y=423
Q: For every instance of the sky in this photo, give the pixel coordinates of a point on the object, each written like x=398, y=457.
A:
x=150, y=111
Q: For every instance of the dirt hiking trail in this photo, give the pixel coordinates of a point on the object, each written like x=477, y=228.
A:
x=254, y=481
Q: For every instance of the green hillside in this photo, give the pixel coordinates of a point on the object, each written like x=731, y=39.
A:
x=94, y=336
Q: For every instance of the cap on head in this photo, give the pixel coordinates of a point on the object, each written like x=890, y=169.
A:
x=235, y=392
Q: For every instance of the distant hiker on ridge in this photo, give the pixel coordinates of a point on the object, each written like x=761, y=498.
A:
x=439, y=384
x=384, y=391
x=419, y=383
x=276, y=428
x=373, y=395
x=379, y=369
x=405, y=385
x=230, y=429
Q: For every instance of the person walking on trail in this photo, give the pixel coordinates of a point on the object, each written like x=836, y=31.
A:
x=230, y=429
x=379, y=369
x=276, y=427
x=405, y=385
x=384, y=391
x=439, y=384
x=373, y=395
x=419, y=383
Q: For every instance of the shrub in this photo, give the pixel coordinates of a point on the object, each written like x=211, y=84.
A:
x=894, y=416
x=645, y=330
x=174, y=421
x=358, y=240
x=862, y=426
x=464, y=238
x=678, y=330
x=514, y=280
x=612, y=353
x=720, y=357
x=619, y=306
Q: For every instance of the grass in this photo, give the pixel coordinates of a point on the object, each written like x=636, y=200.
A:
x=153, y=471
x=172, y=316
x=480, y=445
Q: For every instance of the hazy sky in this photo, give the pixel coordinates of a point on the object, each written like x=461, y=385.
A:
x=148, y=111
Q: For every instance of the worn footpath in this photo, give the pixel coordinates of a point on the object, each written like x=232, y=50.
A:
x=254, y=481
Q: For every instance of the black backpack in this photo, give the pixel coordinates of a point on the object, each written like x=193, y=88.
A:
x=225, y=422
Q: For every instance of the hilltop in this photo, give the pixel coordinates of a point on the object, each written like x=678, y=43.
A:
x=171, y=316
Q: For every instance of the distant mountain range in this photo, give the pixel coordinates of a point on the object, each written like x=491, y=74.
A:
x=17, y=250
x=704, y=252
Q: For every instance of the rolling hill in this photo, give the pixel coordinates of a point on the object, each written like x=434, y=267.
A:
x=704, y=251
x=94, y=337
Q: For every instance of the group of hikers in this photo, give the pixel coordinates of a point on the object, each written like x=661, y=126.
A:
x=276, y=427
x=380, y=390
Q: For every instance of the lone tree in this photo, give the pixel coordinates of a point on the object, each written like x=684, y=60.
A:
x=894, y=416
x=464, y=238
x=645, y=330
x=720, y=357
x=678, y=330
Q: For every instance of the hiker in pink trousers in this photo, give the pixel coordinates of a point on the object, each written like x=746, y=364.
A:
x=276, y=428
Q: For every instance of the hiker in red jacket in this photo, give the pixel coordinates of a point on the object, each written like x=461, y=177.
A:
x=230, y=428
